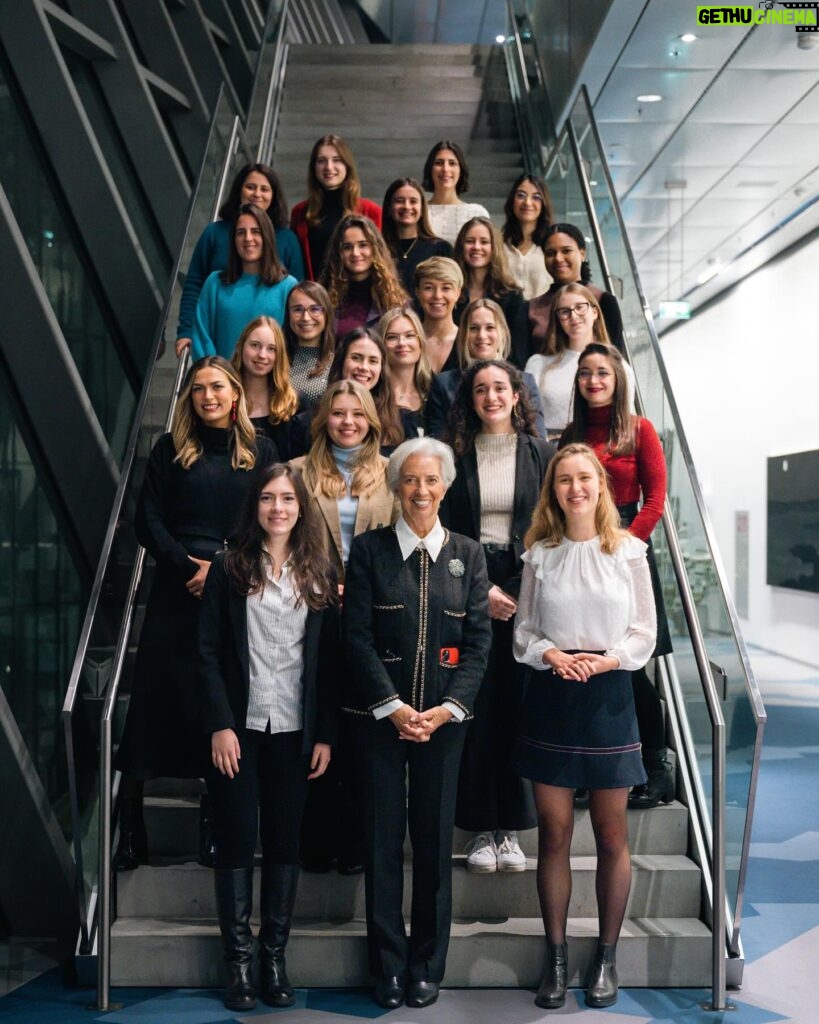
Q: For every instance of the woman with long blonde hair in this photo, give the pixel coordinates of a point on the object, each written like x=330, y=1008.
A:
x=333, y=192
x=195, y=482
x=407, y=365
x=585, y=621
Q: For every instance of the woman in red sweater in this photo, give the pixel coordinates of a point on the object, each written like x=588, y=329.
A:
x=333, y=192
x=631, y=454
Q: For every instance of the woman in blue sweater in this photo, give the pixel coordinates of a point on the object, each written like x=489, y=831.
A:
x=254, y=183
x=254, y=284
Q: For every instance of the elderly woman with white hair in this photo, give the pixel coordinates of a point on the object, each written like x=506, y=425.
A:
x=417, y=633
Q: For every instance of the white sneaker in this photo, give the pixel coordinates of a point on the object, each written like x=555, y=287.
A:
x=509, y=854
x=482, y=858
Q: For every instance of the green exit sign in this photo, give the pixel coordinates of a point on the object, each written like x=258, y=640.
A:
x=675, y=310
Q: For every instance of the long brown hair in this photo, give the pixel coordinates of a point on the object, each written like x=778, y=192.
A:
x=310, y=566
x=392, y=430
x=271, y=271
x=186, y=440
x=388, y=226
x=556, y=341
x=277, y=211
x=284, y=400
x=321, y=474
x=350, y=187
x=499, y=280
x=464, y=422
x=549, y=520
x=385, y=289
x=314, y=291
x=512, y=231
x=622, y=426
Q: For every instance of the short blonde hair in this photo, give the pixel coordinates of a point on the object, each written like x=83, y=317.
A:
x=439, y=268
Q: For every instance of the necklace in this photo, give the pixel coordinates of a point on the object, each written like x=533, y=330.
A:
x=412, y=245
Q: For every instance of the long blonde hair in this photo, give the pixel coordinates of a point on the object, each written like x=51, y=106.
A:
x=549, y=520
x=556, y=342
x=422, y=374
x=283, y=397
x=465, y=360
x=186, y=441
x=321, y=474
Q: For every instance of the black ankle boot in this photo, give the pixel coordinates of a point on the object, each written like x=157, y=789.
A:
x=234, y=901
x=659, y=789
x=278, y=897
x=602, y=987
x=207, y=841
x=132, y=848
x=552, y=991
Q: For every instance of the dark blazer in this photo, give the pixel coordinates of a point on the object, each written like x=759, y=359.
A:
x=461, y=507
x=383, y=634
x=224, y=672
x=442, y=395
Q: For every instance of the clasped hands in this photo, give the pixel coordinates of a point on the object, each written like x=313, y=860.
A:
x=418, y=726
x=580, y=666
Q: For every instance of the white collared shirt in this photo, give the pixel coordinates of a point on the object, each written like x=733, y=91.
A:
x=409, y=541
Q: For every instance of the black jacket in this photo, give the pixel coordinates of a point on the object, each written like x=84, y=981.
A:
x=384, y=633
x=223, y=665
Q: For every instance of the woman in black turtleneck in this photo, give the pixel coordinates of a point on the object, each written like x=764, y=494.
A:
x=195, y=483
x=333, y=192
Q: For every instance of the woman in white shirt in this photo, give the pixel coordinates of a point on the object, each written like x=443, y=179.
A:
x=446, y=176
x=529, y=213
x=585, y=621
x=268, y=652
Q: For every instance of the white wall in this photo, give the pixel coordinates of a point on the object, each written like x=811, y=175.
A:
x=745, y=374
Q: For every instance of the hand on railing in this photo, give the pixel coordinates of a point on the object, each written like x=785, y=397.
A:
x=182, y=345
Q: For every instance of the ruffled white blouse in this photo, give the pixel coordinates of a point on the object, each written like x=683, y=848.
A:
x=447, y=219
x=576, y=598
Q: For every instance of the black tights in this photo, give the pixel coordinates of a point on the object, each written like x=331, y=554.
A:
x=555, y=809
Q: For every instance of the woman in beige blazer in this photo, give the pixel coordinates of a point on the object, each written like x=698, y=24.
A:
x=346, y=478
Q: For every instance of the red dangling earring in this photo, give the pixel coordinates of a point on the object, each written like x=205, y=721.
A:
x=233, y=411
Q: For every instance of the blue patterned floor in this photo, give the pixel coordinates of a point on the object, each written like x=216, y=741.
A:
x=780, y=924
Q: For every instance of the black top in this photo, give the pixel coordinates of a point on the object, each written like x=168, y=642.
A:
x=411, y=252
x=319, y=235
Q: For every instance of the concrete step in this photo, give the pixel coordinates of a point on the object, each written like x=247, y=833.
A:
x=374, y=53
x=508, y=952
x=506, y=147
x=661, y=884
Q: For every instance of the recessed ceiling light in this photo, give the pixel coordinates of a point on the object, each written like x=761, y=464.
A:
x=688, y=37
x=710, y=271
x=500, y=39
x=649, y=97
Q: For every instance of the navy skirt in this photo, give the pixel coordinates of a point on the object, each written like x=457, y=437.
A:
x=579, y=735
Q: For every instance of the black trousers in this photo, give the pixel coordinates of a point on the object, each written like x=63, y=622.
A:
x=266, y=797
x=408, y=783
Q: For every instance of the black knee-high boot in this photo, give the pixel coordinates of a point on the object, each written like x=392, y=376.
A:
x=234, y=900
x=132, y=848
x=278, y=897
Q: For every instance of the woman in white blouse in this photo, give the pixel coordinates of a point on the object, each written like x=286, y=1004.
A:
x=446, y=176
x=529, y=213
x=268, y=651
x=585, y=621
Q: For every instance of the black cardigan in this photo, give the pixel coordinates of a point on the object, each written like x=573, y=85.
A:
x=223, y=664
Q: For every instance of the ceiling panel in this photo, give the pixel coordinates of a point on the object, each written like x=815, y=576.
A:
x=657, y=37
x=680, y=89
x=774, y=47
x=806, y=110
x=764, y=96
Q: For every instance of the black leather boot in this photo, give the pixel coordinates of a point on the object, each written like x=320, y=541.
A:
x=552, y=991
x=207, y=841
x=659, y=789
x=132, y=848
x=278, y=897
x=234, y=901
x=602, y=986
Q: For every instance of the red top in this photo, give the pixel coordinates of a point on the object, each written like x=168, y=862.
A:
x=629, y=475
x=298, y=222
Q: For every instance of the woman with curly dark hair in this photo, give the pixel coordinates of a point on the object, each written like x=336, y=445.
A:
x=529, y=213
x=254, y=183
x=501, y=463
x=407, y=230
x=360, y=275
x=333, y=192
x=268, y=652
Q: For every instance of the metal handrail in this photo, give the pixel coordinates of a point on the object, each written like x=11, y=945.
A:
x=272, y=107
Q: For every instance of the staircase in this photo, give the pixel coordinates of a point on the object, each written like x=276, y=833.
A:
x=166, y=931
x=392, y=103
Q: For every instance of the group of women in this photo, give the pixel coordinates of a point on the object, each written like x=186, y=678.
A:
x=378, y=514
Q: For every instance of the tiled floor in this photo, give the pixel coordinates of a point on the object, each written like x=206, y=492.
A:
x=780, y=929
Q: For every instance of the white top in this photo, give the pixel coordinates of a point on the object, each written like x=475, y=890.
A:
x=529, y=270
x=556, y=386
x=575, y=598
x=496, y=457
x=447, y=219
x=275, y=636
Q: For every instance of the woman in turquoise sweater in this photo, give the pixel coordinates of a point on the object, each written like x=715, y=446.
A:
x=254, y=183
x=254, y=284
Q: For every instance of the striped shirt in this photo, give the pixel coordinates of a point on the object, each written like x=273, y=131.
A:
x=275, y=633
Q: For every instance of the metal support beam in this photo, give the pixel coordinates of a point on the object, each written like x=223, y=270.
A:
x=204, y=55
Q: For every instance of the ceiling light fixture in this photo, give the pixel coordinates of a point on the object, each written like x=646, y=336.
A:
x=710, y=271
x=500, y=39
x=687, y=37
x=649, y=97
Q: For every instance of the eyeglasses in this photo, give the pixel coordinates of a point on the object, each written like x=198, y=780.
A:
x=523, y=196
x=314, y=311
x=565, y=312
x=601, y=375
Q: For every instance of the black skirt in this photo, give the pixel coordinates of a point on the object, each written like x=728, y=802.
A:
x=579, y=735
